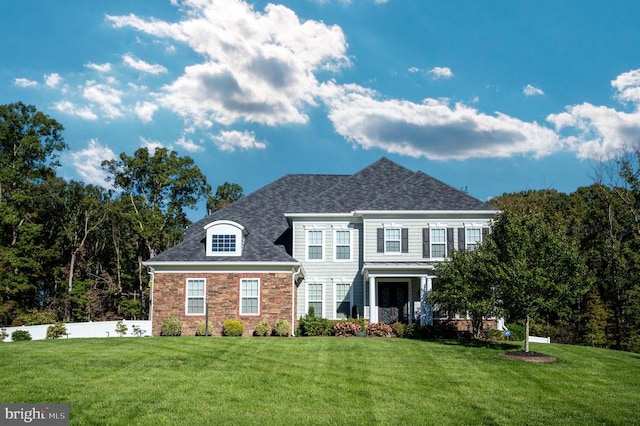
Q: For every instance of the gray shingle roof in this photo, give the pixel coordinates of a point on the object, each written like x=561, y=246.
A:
x=384, y=185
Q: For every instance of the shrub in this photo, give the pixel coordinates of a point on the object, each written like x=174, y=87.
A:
x=411, y=330
x=202, y=328
x=137, y=331
x=262, y=329
x=232, y=327
x=360, y=321
x=313, y=326
x=20, y=336
x=171, y=326
x=56, y=330
x=3, y=334
x=121, y=328
x=399, y=329
x=346, y=329
x=282, y=328
x=379, y=329
x=492, y=334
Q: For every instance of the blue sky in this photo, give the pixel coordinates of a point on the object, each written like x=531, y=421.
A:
x=494, y=97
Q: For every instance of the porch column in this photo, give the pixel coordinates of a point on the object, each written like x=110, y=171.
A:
x=423, y=300
x=373, y=309
x=429, y=306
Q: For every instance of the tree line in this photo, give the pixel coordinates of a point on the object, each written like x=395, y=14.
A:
x=565, y=265
x=72, y=251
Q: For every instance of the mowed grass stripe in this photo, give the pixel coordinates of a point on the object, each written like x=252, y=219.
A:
x=173, y=381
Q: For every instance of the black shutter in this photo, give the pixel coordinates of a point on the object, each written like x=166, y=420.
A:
x=425, y=243
x=380, y=240
x=485, y=233
x=404, y=240
x=461, y=236
x=449, y=241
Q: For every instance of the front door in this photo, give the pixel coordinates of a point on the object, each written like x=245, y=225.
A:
x=393, y=303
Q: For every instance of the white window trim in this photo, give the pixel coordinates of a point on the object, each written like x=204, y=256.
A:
x=306, y=250
x=225, y=227
x=240, y=298
x=335, y=245
x=466, y=236
x=322, y=288
x=335, y=298
x=432, y=243
x=390, y=227
x=186, y=297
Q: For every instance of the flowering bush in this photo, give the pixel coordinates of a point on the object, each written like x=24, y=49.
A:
x=380, y=329
x=346, y=329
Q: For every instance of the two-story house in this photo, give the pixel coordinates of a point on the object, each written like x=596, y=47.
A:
x=347, y=245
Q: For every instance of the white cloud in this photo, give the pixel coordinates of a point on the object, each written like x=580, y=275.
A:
x=24, y=82
x=52, y=80
x=88, y=163
x=69, y=108
x=151, y=145
x=188, y=145
x=107, y=98
x=106, y=67
x=440, y=72
x=413, y=70
x=257, y=66
x=598, y=132
x=530, y=90
x=432, y=129
x=628, y=86
x=602, y=132
x=142, y=66
x=232, y=140
x=145, y=111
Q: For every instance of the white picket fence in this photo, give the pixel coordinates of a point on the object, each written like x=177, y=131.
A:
x=77, y=330
x=537, y=339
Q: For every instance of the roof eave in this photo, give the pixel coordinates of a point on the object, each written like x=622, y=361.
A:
x=423, y=212
x=151, y=263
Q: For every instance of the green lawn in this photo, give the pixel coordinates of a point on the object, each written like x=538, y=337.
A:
x=203, y=381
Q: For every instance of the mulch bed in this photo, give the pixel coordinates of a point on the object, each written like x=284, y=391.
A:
x=528, y=356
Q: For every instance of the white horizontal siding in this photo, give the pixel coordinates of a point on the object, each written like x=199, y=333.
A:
x=414, y=228
x=329, y=270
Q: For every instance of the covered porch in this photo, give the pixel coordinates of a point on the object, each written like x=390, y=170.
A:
x=397, y=292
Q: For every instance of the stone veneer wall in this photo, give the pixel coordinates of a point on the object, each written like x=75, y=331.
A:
x=223, y=293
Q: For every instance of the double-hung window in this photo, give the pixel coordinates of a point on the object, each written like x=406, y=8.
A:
x=314, y=298
x=473, y=237
x=343, y=300
x=249, y=296
x=392, y=240
x=195, y=296
x=343, y=245
x=438, y=242
x=315, y=246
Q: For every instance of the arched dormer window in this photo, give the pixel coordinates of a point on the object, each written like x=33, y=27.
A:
x=225, y=238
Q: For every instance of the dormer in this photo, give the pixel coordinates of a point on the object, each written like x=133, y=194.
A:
x=224, y=238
